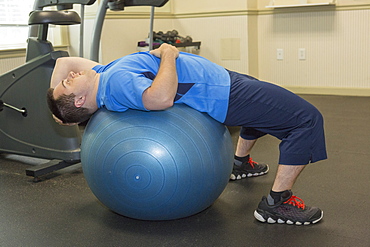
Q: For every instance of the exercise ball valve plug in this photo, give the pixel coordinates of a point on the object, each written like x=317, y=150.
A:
x=23, y=110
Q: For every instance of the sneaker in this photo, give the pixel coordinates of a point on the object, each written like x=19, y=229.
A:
x=290, y=210
x=249, y=168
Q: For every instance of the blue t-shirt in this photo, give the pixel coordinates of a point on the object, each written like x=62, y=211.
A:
x=203, y=85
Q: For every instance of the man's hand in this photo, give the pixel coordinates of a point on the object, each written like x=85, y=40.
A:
x=165, y=50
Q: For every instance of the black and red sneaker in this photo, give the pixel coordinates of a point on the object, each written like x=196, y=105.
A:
x=289, y=210
x=249, y=168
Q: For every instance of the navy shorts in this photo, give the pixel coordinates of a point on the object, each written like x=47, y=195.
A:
x=263, y=108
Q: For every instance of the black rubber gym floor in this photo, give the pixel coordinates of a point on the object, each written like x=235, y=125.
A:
x=61, y=210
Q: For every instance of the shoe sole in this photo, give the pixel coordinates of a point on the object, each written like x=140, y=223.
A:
x=248, y=175
x=270, y=220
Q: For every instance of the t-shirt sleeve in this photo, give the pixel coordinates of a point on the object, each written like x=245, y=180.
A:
x=126, y=90
x=99, y=68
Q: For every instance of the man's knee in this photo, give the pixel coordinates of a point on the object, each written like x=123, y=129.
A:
x=250, y=133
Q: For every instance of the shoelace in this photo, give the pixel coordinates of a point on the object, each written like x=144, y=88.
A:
x=296, y=202
x=252, y=163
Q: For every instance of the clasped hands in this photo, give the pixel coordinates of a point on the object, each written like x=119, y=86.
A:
x=165, y=50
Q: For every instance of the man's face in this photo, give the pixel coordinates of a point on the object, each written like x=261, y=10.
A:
x=75, y=83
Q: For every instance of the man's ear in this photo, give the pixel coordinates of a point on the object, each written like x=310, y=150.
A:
x=80, y=101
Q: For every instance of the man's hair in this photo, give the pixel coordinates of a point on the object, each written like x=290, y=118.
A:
x=64, y=108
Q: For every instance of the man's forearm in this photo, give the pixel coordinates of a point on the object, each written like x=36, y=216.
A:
x=64, y=65
x=59, y=73
x=163, y=90
x=165, y=84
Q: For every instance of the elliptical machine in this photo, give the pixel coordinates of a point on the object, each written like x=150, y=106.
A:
x=26, y=125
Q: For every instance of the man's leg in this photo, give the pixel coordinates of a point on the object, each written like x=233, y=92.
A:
x=244, y=147
x=285, y=177
x=244, y=166
x=281, y=206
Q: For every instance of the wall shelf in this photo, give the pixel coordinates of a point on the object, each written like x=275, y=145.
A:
x=272, y=5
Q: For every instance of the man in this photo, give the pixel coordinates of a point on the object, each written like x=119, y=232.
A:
x=157, y=80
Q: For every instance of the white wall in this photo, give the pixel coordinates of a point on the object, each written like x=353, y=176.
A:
x=336, y=44
x=120, y=37
x=229, y=29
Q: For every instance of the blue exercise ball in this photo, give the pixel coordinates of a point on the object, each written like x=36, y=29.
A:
x=157, y=165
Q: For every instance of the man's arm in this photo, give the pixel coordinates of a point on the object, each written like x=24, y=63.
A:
x=64, y=65
x=160, y=95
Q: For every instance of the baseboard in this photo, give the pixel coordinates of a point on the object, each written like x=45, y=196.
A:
x=330, y=91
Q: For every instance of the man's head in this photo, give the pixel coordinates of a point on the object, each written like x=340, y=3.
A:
x=73, y=99
x=64, y=108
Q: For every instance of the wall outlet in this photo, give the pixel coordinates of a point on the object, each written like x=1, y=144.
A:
x=279, y=54
x=302, y=54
